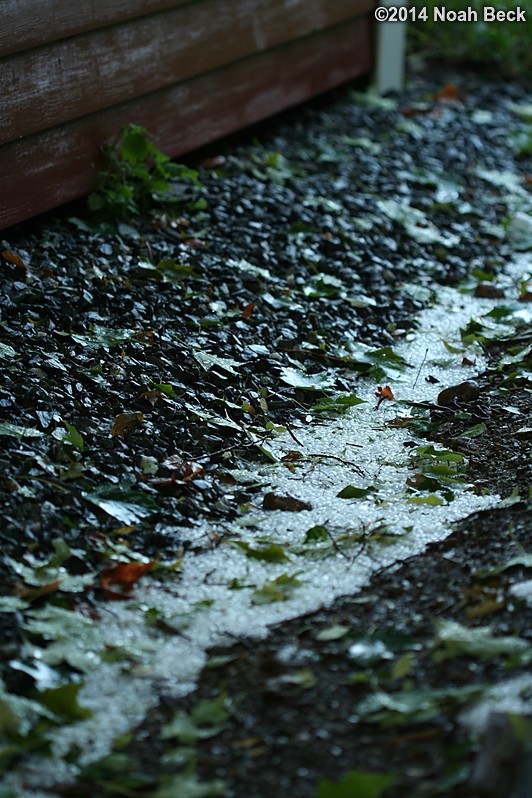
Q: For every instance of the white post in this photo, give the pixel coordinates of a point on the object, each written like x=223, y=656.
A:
x=390, y=56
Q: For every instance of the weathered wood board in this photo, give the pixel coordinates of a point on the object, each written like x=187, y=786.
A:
x=190, y=72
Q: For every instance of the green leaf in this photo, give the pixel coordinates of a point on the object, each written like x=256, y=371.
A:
x=431, y=453
x=433, y=500
x=415, y=706
x=521, y=561
x=207, y=719
x=103, y=337
x=316, y=533
x=70, y=637
x=334, y=632
x=134, y=147
x=63, y=701
x=279, y=589
x=356, y=784
x=272, y=552
x=208, y=361
x=73, y=437
x=352, y=492
x=187, y=785
x=297, y=378
x=7, y=351
x=416, y=223
x=172, y=271
x=454, y=640
x=123, y=503
x=454, y=350
x=14, y=431
x=474, y=432
x=338, y=404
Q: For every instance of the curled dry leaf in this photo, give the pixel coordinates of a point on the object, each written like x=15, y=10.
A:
x=384, y=393
x=125, y=423
x=464, y=392
x=184, y=471
x=123, y=574
x=292, y=455
x=153, y=398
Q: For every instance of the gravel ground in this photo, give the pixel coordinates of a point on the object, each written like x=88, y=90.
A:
x=162, y=340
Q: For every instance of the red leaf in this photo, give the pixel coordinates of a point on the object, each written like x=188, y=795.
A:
x=384, y=393
x=247, y=310
x=449, y=94
x=123, y=574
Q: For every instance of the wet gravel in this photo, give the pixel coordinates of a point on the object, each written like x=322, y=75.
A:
x=99, y=321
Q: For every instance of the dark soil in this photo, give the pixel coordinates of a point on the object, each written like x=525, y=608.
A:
x=107, y=320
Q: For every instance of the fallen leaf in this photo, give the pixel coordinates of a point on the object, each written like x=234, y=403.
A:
x=153, y=397
x=124, y=574
x=125, y=423
x=384, y=393
x=213, y=163
x=247, y=310
x=353, y=492
x=448, y=94
x=184, y=470
x=292, y=455
x=32, y=592
x=13, y=258
x=488, y=291
x=272, y=501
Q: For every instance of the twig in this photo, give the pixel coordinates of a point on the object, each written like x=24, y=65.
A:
x=421, y=366
x=340, y=460
x=336, y=547
x=292, y=434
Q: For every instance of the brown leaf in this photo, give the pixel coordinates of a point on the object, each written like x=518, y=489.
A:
x=273, y=502
x=125, y=423
x=33, y=592
x=213, y=163
x=154, y=397
x=292, y=455
x=463, y=392
x=384, y=393
x=123, y=574
x=488, y=291
x=448, y=94
x=247, y=310
x=12, y=257
x=184, y=470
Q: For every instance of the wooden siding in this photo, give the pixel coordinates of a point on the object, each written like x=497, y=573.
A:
x=190, y=72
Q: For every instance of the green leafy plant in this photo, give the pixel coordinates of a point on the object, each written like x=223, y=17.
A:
x=503, y=45
x=136, y=173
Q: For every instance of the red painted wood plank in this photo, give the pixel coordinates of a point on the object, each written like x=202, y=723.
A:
x=32, y=23
x=58, y=165
x=72, y=78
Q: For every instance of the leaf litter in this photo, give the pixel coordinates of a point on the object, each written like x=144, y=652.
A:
x=269, y=366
